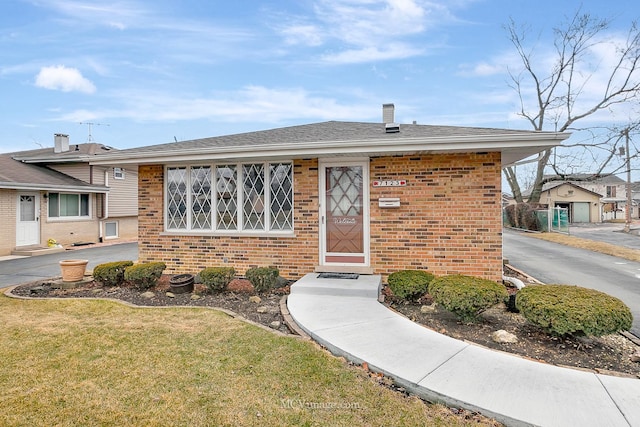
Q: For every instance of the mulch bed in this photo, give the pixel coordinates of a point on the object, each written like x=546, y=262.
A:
x=235, y=299
x=609, y=354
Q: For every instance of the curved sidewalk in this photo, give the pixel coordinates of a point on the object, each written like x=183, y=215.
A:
x=345, y=316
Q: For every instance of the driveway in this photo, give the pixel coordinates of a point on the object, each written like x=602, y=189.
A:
x=554, y=263
x=28, y=269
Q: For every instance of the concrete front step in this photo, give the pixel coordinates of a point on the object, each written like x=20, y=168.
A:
x=35, y=250
x=364, y=286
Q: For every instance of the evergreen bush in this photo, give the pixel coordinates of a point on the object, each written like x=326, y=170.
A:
x=216, y=279
x=262, y=278
x=572, y=310
x=111, y=273
x=466, y=296
x=409, y=284
x=144, y=276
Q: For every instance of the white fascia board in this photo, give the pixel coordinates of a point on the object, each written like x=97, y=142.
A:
x=54, y=188
x=354, y=147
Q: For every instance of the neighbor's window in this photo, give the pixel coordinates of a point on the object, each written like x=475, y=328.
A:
x=230, y=197
x=65, y=205
x=611, y=191
x=111, y=229
x=118, y=173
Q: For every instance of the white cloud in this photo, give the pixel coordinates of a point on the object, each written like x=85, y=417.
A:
x=249, y=104
x=367, y=30
x=59, y=77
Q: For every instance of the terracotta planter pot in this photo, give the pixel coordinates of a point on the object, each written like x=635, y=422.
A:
x=73, y=269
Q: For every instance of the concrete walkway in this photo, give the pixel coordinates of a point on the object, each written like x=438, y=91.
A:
x=346, y=317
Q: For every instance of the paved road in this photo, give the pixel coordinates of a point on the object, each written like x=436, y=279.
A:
x=21, y=270
x=555, y=263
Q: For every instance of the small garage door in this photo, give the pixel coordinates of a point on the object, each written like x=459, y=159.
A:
x=580, y=212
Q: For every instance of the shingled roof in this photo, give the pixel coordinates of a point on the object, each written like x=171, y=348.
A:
x=17, y=175
x=344, y=138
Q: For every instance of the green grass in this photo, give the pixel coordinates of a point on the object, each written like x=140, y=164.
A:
x=81, y=362
x=592, y=245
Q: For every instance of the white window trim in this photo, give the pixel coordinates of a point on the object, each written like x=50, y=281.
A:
x=117, y=230
x=239, y=198
x=118, y=173
x=88, y=217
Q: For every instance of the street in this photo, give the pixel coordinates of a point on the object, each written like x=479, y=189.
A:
x=21, y=270
x=555, y=263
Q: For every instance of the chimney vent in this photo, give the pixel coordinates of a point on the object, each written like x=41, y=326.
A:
x=61, y=143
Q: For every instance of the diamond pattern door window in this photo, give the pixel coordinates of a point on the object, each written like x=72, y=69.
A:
x=226, y=197
x=176, y=198
x=346, y=194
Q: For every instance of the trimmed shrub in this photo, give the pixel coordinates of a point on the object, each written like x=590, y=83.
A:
x=409, y=284
x=572, y=310
x=111, y=273
x=262, y=278
x=144, y=276
x=466, y=296
x=217, y=278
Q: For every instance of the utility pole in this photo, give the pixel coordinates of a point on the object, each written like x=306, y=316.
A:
x=627, y=222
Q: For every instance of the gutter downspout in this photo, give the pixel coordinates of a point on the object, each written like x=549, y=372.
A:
x=105, y=207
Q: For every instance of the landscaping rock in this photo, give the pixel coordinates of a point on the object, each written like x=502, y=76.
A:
x=275, y=324
x=255, y=298
x=263, y=309
x=426, y=309
x=195, y=297
x=636, y=357
x=148, y=295
x=502, y=336
x=170, y=295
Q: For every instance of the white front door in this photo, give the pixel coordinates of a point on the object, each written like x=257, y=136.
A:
x=344, y=213
x=28, y=216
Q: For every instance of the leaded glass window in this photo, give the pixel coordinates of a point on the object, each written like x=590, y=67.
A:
x=201, y=198
x=253, y=202
x=176, y=198
x=230, y=197
x=227, y=195
x=281, y=184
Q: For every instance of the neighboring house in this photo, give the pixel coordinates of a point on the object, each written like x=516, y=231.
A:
x=614, y=196
x=582, y=205
x=53, y=193
x=331, y=196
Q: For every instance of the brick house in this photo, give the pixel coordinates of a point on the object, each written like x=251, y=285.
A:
x=53, y=193
x=331, y=196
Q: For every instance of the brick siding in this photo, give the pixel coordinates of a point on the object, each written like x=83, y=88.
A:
x=449, y=222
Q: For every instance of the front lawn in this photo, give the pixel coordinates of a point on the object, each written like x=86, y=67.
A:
x=73, y=362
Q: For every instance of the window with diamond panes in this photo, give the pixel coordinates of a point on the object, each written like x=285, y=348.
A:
x=281, y=183
x=253, y=197
x=176, y=198
x=201, y=198
x=236, y=197
x=226, y=196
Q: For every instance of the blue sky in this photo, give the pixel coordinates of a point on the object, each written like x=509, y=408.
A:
x=152, y=71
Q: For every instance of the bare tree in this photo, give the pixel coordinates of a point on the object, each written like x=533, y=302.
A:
x=556, y=98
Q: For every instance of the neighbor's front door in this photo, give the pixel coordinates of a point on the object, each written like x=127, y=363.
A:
x=28, y=224
x=345, y=213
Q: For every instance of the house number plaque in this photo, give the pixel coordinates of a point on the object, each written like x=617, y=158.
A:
x=390, y=183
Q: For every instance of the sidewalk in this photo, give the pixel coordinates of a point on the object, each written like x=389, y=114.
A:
x=345, y=316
